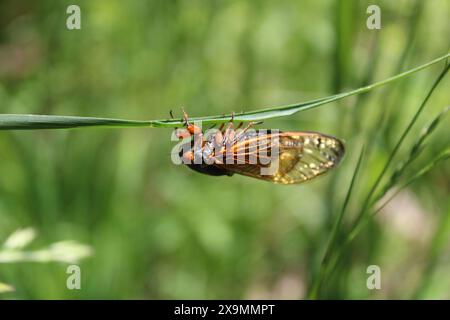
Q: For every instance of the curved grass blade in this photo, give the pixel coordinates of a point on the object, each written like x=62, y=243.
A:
x=370, y=196
x=443, y=156
x=30, y=122
x=324, y=267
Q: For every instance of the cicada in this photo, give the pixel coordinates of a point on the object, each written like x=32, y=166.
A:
x=279, y=157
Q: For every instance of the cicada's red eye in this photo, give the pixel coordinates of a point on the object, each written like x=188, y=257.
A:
x=193, y=129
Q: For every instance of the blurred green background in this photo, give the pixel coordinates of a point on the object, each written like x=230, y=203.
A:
x=161, y=231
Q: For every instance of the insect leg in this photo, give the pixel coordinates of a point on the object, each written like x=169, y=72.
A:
x=185, y=116
x=240, y=134
x=232, y=117
x=228, y=134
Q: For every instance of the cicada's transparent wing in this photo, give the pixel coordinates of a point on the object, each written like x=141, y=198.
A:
x=302, y=156
x=306, y=155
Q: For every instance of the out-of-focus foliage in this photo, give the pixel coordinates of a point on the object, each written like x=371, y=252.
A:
x=162, y=231
x=63, y=251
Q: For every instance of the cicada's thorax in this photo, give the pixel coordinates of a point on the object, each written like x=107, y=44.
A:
x=210, y=146
x=218, y=145
x=200, y=150
x=204, y=157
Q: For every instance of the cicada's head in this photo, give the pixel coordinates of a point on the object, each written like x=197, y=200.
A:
x=189, y=129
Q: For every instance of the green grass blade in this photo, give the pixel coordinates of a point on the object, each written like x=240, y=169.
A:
x=414, y=152
x=29, y=122
x=334, y=234
x=375, y=186
x=337, y=254
x=444, y=155
x=33, y=121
